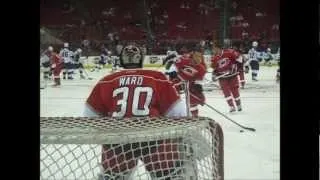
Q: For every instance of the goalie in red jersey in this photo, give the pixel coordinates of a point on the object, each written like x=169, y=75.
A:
x=134, y=92
x=191, y=68
x=225, y=65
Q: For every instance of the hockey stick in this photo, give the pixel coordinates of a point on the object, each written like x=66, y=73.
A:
x=90, y=78
x=243, y=127
x=208, y=80
x=225, y=116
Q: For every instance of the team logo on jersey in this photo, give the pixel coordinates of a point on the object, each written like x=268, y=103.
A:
x=223, y=62
x=190, y=71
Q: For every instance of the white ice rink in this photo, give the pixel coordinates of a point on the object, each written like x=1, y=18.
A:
x=247, y=156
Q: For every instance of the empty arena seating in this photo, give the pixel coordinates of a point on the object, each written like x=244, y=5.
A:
x=187, y=19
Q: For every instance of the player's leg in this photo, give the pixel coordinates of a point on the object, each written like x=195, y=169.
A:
x=56, y=75
x=241, y=79
x=118, y=161
x=69, y=70
x=268, y=61
x=64, y=70
x=46, y=70
x=234, y=84
x=278, y=75
x=166, y=160
x=196, y=97
x=246, y=69
x=254, y=70
x=81, y=69
x=224, y=84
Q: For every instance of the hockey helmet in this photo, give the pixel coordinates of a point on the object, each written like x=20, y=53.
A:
x=66, y=45
x=79, y=50
x=254, y=43
x=50, y=48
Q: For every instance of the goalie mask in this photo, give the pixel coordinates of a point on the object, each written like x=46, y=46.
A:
x=131, y=57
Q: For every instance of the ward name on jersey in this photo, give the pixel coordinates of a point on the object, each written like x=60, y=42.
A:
x=135, y=92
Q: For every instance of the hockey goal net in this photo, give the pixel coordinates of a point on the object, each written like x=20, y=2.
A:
x=135, y=148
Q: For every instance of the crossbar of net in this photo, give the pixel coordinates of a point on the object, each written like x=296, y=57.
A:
x=135, y=148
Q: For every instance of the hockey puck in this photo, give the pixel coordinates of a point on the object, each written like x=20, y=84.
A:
x=241, y=131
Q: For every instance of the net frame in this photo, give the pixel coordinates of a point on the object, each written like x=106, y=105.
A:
x=97, y=131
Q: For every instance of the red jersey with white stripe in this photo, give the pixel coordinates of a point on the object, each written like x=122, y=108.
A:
x=55, y=58
x=225, y=63
x=134, y=92
x=187, y=70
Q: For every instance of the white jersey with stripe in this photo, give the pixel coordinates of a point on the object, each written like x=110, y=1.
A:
x=66, y=55
x=253, y=55
x=172, y=52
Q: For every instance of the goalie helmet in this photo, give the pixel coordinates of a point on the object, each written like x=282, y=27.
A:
x=131, y=57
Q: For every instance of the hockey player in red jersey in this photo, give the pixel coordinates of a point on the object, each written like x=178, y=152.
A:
x=225, y=63
x=190, y=67
x=56, y=66
x=134, y=92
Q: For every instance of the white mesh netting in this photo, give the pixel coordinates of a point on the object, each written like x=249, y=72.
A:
x=135, y=148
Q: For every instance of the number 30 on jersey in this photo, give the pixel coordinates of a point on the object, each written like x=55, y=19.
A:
x=123, y=103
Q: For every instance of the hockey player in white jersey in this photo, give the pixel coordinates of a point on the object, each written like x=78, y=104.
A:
x=115, y=61
x=67, y=59
x=78, y=64
x=253, y=61
x=169, y=61
x=267, y=57
x=103, y=60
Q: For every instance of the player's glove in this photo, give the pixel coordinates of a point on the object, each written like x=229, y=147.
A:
x=172, y=74
x=214, y=77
